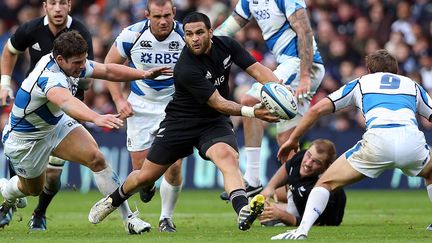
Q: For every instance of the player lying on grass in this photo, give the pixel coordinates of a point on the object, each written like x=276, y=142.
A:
x=299, y=175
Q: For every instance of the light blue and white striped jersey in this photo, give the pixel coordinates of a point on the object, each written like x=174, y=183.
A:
x=144, y=51
x=33, y=115
x=271, y=16
x=385, y=99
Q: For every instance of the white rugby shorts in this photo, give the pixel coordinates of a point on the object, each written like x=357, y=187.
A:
x=388, y=148
x=29, y=157
x=142, y=126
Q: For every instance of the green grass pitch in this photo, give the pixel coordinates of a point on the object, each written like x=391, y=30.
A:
x=370, y=216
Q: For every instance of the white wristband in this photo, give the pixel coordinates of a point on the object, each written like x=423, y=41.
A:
x=247, y=111
x=5, y=80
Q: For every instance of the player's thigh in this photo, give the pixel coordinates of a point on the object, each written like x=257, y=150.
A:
x=78, y=146
x=138, y=158
x=218, y=143
x=142, y=126
x=224, y=156
x=339, y=174
x=29, y=158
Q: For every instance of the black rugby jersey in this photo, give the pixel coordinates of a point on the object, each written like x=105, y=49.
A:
x=37, y=36
x=301, y=188
x=197, y=77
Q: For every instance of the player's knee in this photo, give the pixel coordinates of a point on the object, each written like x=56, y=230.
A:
x=52, y=182
x=248, y=100
x=97, y=161
x=143, y=179
x=35, y=191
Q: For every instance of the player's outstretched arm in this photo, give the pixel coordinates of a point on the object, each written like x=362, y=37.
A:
x=261, y=73
x=120, y=73
x=78, y=110
x=124, y=108
x=280, y=178
x=219, y=103
x=323, y=107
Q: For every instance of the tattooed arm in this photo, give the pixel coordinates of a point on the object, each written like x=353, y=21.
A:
x=300, y=23
x=224, y=106
x=231, y=25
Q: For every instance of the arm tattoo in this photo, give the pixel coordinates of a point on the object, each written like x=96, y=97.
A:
x=301, y=25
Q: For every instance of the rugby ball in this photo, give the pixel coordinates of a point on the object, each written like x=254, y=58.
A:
x=279, y=100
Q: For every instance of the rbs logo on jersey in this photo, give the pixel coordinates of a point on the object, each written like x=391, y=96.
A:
x=160, y=58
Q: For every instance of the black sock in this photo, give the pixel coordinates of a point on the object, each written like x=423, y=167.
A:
x=11, y=169
x=119, y=196
x=238, y=199
x=44, y=200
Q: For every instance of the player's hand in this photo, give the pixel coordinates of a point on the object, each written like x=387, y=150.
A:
x=271, y=212
x=303, y=90
x=157, y=71
x=6, y=95
x=267, y=193
x=262, y=113
x=124, y=108
x=286, y=148
x=109, y=121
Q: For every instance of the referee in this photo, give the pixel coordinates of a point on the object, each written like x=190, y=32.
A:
x=38, y=36
x=198, y=116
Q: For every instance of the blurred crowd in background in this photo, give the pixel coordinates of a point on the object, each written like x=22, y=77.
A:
x=345, y=30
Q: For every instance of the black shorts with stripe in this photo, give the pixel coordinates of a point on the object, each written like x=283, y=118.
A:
x=176, y=138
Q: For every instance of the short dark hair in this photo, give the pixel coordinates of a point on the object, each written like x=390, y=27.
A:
x=325, y=146
x=381, y=61
x=197, y=17
x=69, y=44
x=158, y=3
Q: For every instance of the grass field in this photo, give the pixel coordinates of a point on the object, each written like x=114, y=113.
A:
x=370, y=216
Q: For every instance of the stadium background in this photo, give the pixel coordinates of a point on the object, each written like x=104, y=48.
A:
x=345, y=31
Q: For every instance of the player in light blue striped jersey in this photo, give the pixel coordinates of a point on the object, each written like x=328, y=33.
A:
x=154, y=42
x=43, y=123
x=389, y=104
x=288, y=35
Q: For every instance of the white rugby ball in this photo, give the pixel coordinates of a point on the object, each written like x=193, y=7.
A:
x=279, y=100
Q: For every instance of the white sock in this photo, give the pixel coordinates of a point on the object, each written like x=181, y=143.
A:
x=316, y=203
x=429, y=191
x=252, y=172
x=169, y=195
x=107, y=182
x=10, y=189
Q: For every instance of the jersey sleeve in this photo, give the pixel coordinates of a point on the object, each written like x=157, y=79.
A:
x=240, y=56
x=424, y=103
x=345, y=95
x=288, y=7
x=194, y=81
x=126, y=39
x=88, y=70
x=242, y=9
x=54, y=80
x=21, y=39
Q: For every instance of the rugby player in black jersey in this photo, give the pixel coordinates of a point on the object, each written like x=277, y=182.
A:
x=198, y=116
x=300, y=174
